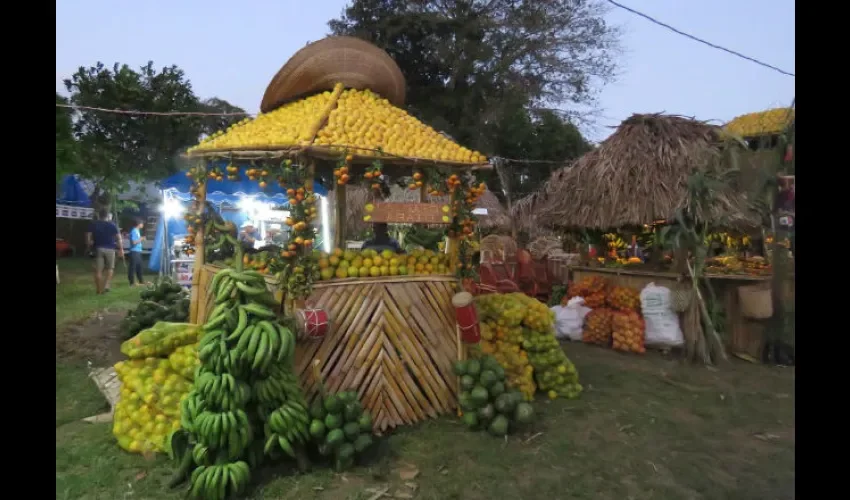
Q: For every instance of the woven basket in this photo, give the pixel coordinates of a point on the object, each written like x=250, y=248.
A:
x=320, y=65
x=543, y=246
x=681, y=297
x=756, y=301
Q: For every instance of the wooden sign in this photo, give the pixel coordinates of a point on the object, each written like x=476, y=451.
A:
x=408, y=213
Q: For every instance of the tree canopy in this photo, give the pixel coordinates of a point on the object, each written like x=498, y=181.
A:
x=115, y=148
x=66, y=146
x=488, y=72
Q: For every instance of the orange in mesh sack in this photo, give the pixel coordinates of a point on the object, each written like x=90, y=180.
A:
x=624, y=298
x=597, y=327
x=628, y=331
x=595, y=300
x=588, y=286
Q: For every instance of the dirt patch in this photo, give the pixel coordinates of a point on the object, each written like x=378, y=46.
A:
x=96, y=340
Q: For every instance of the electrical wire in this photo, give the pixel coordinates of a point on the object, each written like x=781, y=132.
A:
x=700, y=40
x=153, y=113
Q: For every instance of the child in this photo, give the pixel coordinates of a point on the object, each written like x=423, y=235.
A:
x=134, y=269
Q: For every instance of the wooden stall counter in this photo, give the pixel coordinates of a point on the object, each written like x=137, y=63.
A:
x=742, y=335
x=391, y=339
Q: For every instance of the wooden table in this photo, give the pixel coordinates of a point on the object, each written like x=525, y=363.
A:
x=742, y=335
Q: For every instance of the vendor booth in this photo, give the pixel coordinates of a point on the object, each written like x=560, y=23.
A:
x=376, y=322
x=236, y=202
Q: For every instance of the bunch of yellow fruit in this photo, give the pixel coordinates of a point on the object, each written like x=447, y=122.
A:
x=341, y=264
x=362, y=119
x=293, y=124
x=184, y=360
x=358, y=120
x=526, y=326
x=160, y=340
x=504, y=344
x=141, y=428
x=554, y=372
x=767, y=122
x=156, y=383
x=149, y=407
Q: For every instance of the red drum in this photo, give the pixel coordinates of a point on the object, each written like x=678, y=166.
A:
x=466, y=317
x=312, y=323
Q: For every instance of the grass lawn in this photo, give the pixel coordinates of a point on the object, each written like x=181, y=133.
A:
x=76, y=299
x=645, y=428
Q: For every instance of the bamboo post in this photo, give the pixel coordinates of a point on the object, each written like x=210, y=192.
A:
x=339, y=216
x=461, y=355
x=195, y=300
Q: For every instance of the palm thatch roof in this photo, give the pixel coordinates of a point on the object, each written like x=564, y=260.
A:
x=497, y=217
x=640, y=174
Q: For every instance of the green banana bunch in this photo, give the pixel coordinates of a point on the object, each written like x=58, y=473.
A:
x=227, y=281
x=221, y=391
x=263, y=344
x=277, y=388
x=217, y=482
x=190, y=407
x=228, y=432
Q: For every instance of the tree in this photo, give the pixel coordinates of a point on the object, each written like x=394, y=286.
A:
x=485, y=71
x=463, y=58
x=210, y=124
x=116, y=148
x=66, y=146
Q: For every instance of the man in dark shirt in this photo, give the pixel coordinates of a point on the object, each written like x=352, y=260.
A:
x=105, y=238
x=382, y=241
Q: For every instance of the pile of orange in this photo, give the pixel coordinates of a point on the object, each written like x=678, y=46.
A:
x=623, y=298
x=628, y=331
x=591, y=285
x=597, y=327
x=591, y=288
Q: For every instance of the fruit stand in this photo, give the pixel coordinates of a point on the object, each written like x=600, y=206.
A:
x=639, y=177
x=387, y=327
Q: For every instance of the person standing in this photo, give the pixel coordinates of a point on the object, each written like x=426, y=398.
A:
x=134, y=271
x=103, y=236
x=382, y=240
x=248, y=236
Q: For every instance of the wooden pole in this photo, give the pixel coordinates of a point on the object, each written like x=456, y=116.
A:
x=195, y=301
x=339, y=216
x=309, y=176
x=460, y=357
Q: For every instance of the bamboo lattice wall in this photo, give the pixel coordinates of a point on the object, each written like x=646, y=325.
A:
x=392, y=339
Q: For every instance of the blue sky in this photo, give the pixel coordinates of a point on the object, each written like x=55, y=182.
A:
x=232, y=49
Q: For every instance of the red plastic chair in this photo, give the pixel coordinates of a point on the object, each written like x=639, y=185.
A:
x=493, y=281
x=525, y=273
x=540, y=269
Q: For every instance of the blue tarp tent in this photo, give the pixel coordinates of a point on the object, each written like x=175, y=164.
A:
x=218, y=193
x=72, y=193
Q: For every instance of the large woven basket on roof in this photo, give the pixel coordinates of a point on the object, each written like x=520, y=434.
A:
x=320, y=65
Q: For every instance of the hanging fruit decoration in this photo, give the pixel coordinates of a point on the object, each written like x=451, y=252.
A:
x=194, y=216
x=418, y=180
x=261, y=175
x=232, y=172
x=373, y=173
x=341, y=171
x=300, y=269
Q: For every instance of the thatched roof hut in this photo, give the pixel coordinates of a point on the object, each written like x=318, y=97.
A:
x=497, y=217
x=640, y=174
